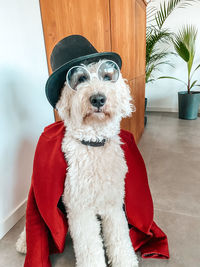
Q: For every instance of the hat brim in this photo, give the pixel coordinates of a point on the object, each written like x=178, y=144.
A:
x=57, y=79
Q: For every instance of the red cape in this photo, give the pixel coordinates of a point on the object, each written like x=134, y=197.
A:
x=46, y=224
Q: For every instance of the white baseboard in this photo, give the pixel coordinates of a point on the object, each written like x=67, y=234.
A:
x=161, y=109
x=12, y=219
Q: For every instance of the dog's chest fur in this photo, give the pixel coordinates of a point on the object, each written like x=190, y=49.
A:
x=95, y=175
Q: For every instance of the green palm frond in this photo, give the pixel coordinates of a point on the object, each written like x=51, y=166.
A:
x=150, y=13
x=149, y=76
x=154, y=56
x=193, y=84
x=153, y=38
x=157, y=55
x=195, y=70
x=167, y=8
x=173, y=78
x=181, y=49
x=155, y=67
x=184, y=44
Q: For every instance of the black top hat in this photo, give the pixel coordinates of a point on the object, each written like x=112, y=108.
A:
x=69, y=52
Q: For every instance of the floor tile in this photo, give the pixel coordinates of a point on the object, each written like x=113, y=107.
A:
x=174, y=134
x=175, y=182
x=183, y=236
x=9, y=257
x=14, y=233
x=67, y=258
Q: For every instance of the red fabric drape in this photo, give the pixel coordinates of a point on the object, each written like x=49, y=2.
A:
x=46, y=225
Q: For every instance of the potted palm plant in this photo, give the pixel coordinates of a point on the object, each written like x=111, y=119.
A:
x=188, y=100
x=156, y=34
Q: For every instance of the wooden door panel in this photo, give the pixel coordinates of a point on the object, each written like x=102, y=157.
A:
x=89, y=18
x=139, y=97
x=135, y=124
x=140, y=40
x=128, y=20
x=123, y=34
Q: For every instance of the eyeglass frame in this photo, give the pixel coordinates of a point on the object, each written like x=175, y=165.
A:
x=93, y=74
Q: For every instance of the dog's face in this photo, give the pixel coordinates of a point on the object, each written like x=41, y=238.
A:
x=94, y=101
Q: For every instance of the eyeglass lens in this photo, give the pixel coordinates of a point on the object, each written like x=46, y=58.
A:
x=108, y=71
x=77, y=75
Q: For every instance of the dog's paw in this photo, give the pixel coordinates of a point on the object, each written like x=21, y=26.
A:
x=21, y=243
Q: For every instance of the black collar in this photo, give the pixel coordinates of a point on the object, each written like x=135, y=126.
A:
x=95, y=144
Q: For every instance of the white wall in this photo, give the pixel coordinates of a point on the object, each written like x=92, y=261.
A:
x=23, y=106
x=162, y=94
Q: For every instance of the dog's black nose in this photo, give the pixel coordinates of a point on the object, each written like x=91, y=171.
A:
x=98, y=100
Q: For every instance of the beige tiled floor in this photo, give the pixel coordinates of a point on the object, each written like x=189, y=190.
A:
x=171, y=150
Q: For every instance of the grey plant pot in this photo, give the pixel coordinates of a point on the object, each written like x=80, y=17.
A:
x=188, y=105
x=145, y=117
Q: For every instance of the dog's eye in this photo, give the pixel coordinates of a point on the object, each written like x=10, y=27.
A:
x=77, y=75
x=107, y=77
x=108, y=71
x=82, y=79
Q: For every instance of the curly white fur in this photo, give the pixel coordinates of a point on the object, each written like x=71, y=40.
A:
x=21, y=242
x=95, y=177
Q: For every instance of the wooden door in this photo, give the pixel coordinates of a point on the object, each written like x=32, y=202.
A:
x=89, y=18
x=128, y=27
x=110, y=25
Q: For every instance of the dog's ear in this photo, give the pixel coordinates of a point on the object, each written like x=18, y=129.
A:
x=127, y=106
x=63, y=105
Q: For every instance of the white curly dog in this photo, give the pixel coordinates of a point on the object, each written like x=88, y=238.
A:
x=93, y=101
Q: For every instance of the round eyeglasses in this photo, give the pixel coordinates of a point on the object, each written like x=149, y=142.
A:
x=107, y=71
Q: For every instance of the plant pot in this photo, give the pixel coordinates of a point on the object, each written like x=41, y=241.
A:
x=188, y=105
x=145, y=103
x=145, y=117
